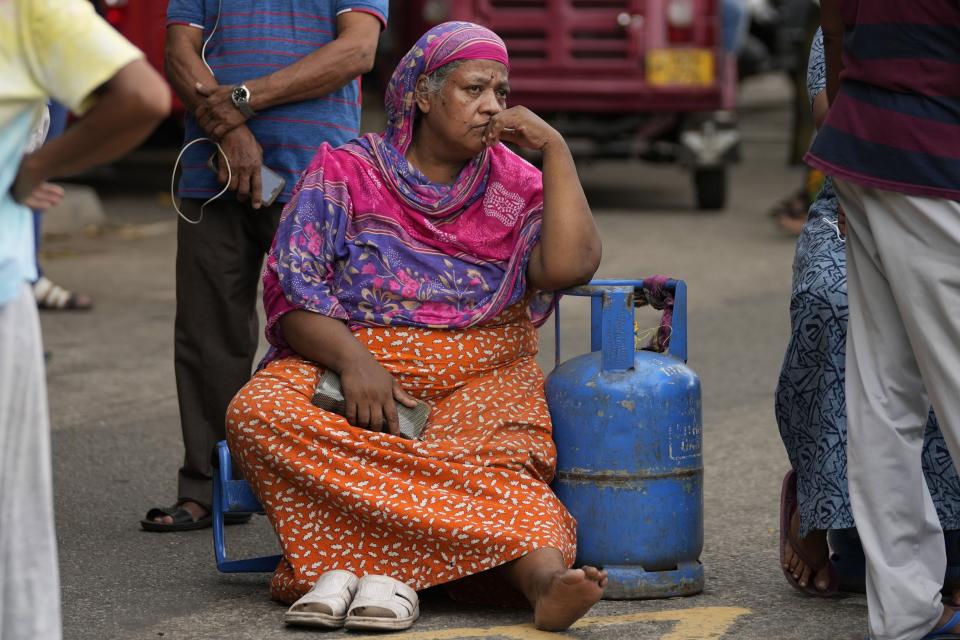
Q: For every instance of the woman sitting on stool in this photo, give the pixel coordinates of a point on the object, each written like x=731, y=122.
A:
x=417, y=264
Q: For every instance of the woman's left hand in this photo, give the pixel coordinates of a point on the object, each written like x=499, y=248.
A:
x=520, y=126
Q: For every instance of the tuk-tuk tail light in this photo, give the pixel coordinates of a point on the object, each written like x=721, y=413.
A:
x=681, y=15
x=115, y=12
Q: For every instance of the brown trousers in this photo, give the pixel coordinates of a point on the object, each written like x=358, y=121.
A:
x=219, y=263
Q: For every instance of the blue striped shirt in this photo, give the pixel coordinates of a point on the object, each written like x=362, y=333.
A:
x=256, y=38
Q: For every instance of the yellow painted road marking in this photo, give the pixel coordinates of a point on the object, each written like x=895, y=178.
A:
x=701, y=623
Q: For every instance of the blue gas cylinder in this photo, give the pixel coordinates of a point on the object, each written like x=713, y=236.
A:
x=628, y=430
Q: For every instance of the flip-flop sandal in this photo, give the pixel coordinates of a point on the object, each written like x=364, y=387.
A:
x=183, y=520
x=383, y=604
x=941, y=633
x=325, y=605
x=788, y=505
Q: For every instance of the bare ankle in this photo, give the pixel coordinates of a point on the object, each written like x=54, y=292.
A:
x=534, y=572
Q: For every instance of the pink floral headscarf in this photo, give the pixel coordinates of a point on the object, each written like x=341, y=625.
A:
x=367, y=238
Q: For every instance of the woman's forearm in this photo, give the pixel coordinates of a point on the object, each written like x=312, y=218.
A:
x=569, y=250
x=325, y=340
x=370, y=392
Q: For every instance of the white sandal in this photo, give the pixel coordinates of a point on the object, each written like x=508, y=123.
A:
x=325, y=605
x=383, y=604
x=51, y=296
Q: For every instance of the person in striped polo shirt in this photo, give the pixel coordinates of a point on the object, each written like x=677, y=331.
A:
x=270, y=81
x=892, y=143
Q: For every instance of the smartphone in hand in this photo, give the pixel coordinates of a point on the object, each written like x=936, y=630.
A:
x=328, y=395
x=271, y=182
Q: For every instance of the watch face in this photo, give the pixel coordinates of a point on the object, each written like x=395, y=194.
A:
x=239, y=94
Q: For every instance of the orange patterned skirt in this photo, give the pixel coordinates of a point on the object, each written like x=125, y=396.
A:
x=472, y=495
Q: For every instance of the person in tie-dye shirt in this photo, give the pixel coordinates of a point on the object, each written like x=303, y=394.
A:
x=59, y=49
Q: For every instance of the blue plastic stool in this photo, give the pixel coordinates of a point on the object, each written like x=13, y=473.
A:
x=233, y=496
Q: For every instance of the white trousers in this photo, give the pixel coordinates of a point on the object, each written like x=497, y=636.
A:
x=903, y=354
x=29, y=581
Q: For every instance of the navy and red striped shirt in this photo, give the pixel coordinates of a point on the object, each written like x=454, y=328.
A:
x=895, y=123
x=256, y=38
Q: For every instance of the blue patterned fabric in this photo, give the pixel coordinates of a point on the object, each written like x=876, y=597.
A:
x=816, y=67
x=810, y=403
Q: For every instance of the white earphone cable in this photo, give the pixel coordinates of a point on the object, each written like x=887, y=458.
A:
x=203, y=50
x=223, y=156
x=173, y=180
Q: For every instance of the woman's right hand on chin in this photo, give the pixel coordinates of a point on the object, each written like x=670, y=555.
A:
x=369, y=393
x=522, y=127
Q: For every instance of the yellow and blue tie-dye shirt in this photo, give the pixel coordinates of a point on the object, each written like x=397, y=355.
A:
x=48, y=48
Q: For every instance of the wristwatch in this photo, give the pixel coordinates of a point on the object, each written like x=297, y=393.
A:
x=240, y=96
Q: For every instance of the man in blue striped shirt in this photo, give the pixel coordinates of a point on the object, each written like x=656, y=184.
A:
x=269, y=80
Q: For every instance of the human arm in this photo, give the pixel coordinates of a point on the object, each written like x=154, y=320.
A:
x=832, y=24
x=820, y=109
x=569, y=250
x=183, y=65
x=185, y=71
x=44, y=196
x=317, y=74
x=125, y=111
x=369, y=390
x=302, y=308
x=819, y=104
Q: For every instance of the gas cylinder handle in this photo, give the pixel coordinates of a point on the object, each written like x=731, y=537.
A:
x=611, y=320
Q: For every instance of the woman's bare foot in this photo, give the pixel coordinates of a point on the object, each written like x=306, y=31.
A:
x=566, y=596
x=559, y=596
x=813, y=546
